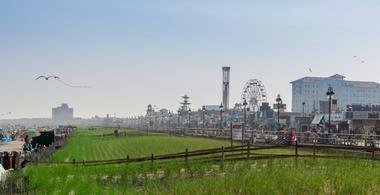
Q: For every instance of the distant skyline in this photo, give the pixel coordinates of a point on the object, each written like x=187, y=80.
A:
x=135, y=53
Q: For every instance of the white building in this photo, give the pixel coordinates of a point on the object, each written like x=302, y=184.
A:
x=62, y=112
x=312, y=91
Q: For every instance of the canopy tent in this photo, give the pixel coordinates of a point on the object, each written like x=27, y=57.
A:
x=32, y=133
x=318, y=119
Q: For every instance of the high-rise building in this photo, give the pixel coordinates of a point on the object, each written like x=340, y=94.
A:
x=62, y=112
x=226, y=87
x=312, y=91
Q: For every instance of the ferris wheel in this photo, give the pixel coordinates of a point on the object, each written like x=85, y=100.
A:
x=254, y=93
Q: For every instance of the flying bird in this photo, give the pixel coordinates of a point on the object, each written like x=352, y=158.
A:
x=310, y=70
x=40, y=77
x=61, y=81
x=47, y=77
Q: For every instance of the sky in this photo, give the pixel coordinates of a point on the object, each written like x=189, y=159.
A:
x=135, y=53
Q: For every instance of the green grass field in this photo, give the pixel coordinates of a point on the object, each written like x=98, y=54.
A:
x=90, y=145
x=275, y=176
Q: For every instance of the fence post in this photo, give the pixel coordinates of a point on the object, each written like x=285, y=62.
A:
x=373, y=151
x=25, y=182
x=232, y=144
x=222, y=153
x=186, y=155
x=314, y=148
x=74, y=161
x=248, y=150
x=152, y=158
x=128, y=158
x=296, y=148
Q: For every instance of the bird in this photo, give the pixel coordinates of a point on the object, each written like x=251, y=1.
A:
x=47, y=77
x=61, y=81
x=354, y=56
x=40, y=77
x=310, y=70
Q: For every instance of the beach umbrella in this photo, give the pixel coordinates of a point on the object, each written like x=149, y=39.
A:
x=32, y=133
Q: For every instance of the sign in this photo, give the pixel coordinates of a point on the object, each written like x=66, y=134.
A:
x=282, y=106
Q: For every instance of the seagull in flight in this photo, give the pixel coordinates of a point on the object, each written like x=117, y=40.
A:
x=47, y=77
x=60, y=80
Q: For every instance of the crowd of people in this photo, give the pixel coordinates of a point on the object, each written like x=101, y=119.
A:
x=8, y=134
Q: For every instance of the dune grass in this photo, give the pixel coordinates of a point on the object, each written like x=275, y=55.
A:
x=276, y=176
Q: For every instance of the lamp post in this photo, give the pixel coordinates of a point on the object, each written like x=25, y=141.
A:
x=162, y=119
x=179, y=119
x=189, y=117
x=155, y=120
x=330, y=93
x=245, y=120
x=279, y=103
x=150, y=124
x=170, y=118
x=221, y=115
x=203, y=115
x=303, y=109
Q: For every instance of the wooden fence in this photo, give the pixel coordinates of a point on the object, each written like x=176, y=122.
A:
x=221, y=154
x=241, y=152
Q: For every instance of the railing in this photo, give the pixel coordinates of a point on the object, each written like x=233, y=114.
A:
x=234, y=153
x=271, y=136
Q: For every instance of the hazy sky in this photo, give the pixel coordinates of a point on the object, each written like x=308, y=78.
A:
x=134, y=53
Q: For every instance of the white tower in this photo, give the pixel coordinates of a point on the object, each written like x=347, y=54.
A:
x=226, y=87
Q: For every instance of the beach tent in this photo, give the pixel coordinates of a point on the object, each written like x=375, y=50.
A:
x=32, y=133
x=6, y=139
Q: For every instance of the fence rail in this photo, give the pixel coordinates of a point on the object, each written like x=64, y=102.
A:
x=234, y=153
x=270, y=136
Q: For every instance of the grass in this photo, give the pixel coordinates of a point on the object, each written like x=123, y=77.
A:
x=277, y=176
x=285, y=176
x=274, y=176
x=90, y=145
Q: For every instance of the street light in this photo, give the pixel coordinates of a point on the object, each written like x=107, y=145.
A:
x=303, y=109
x=162, y=119
x=203, y=117
x=330, y=93
x=221, y=115
x=245, y=120
x=279, y=103
x=179, y=119
x=170, y=118
x=156, y=120
x=189, y=117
